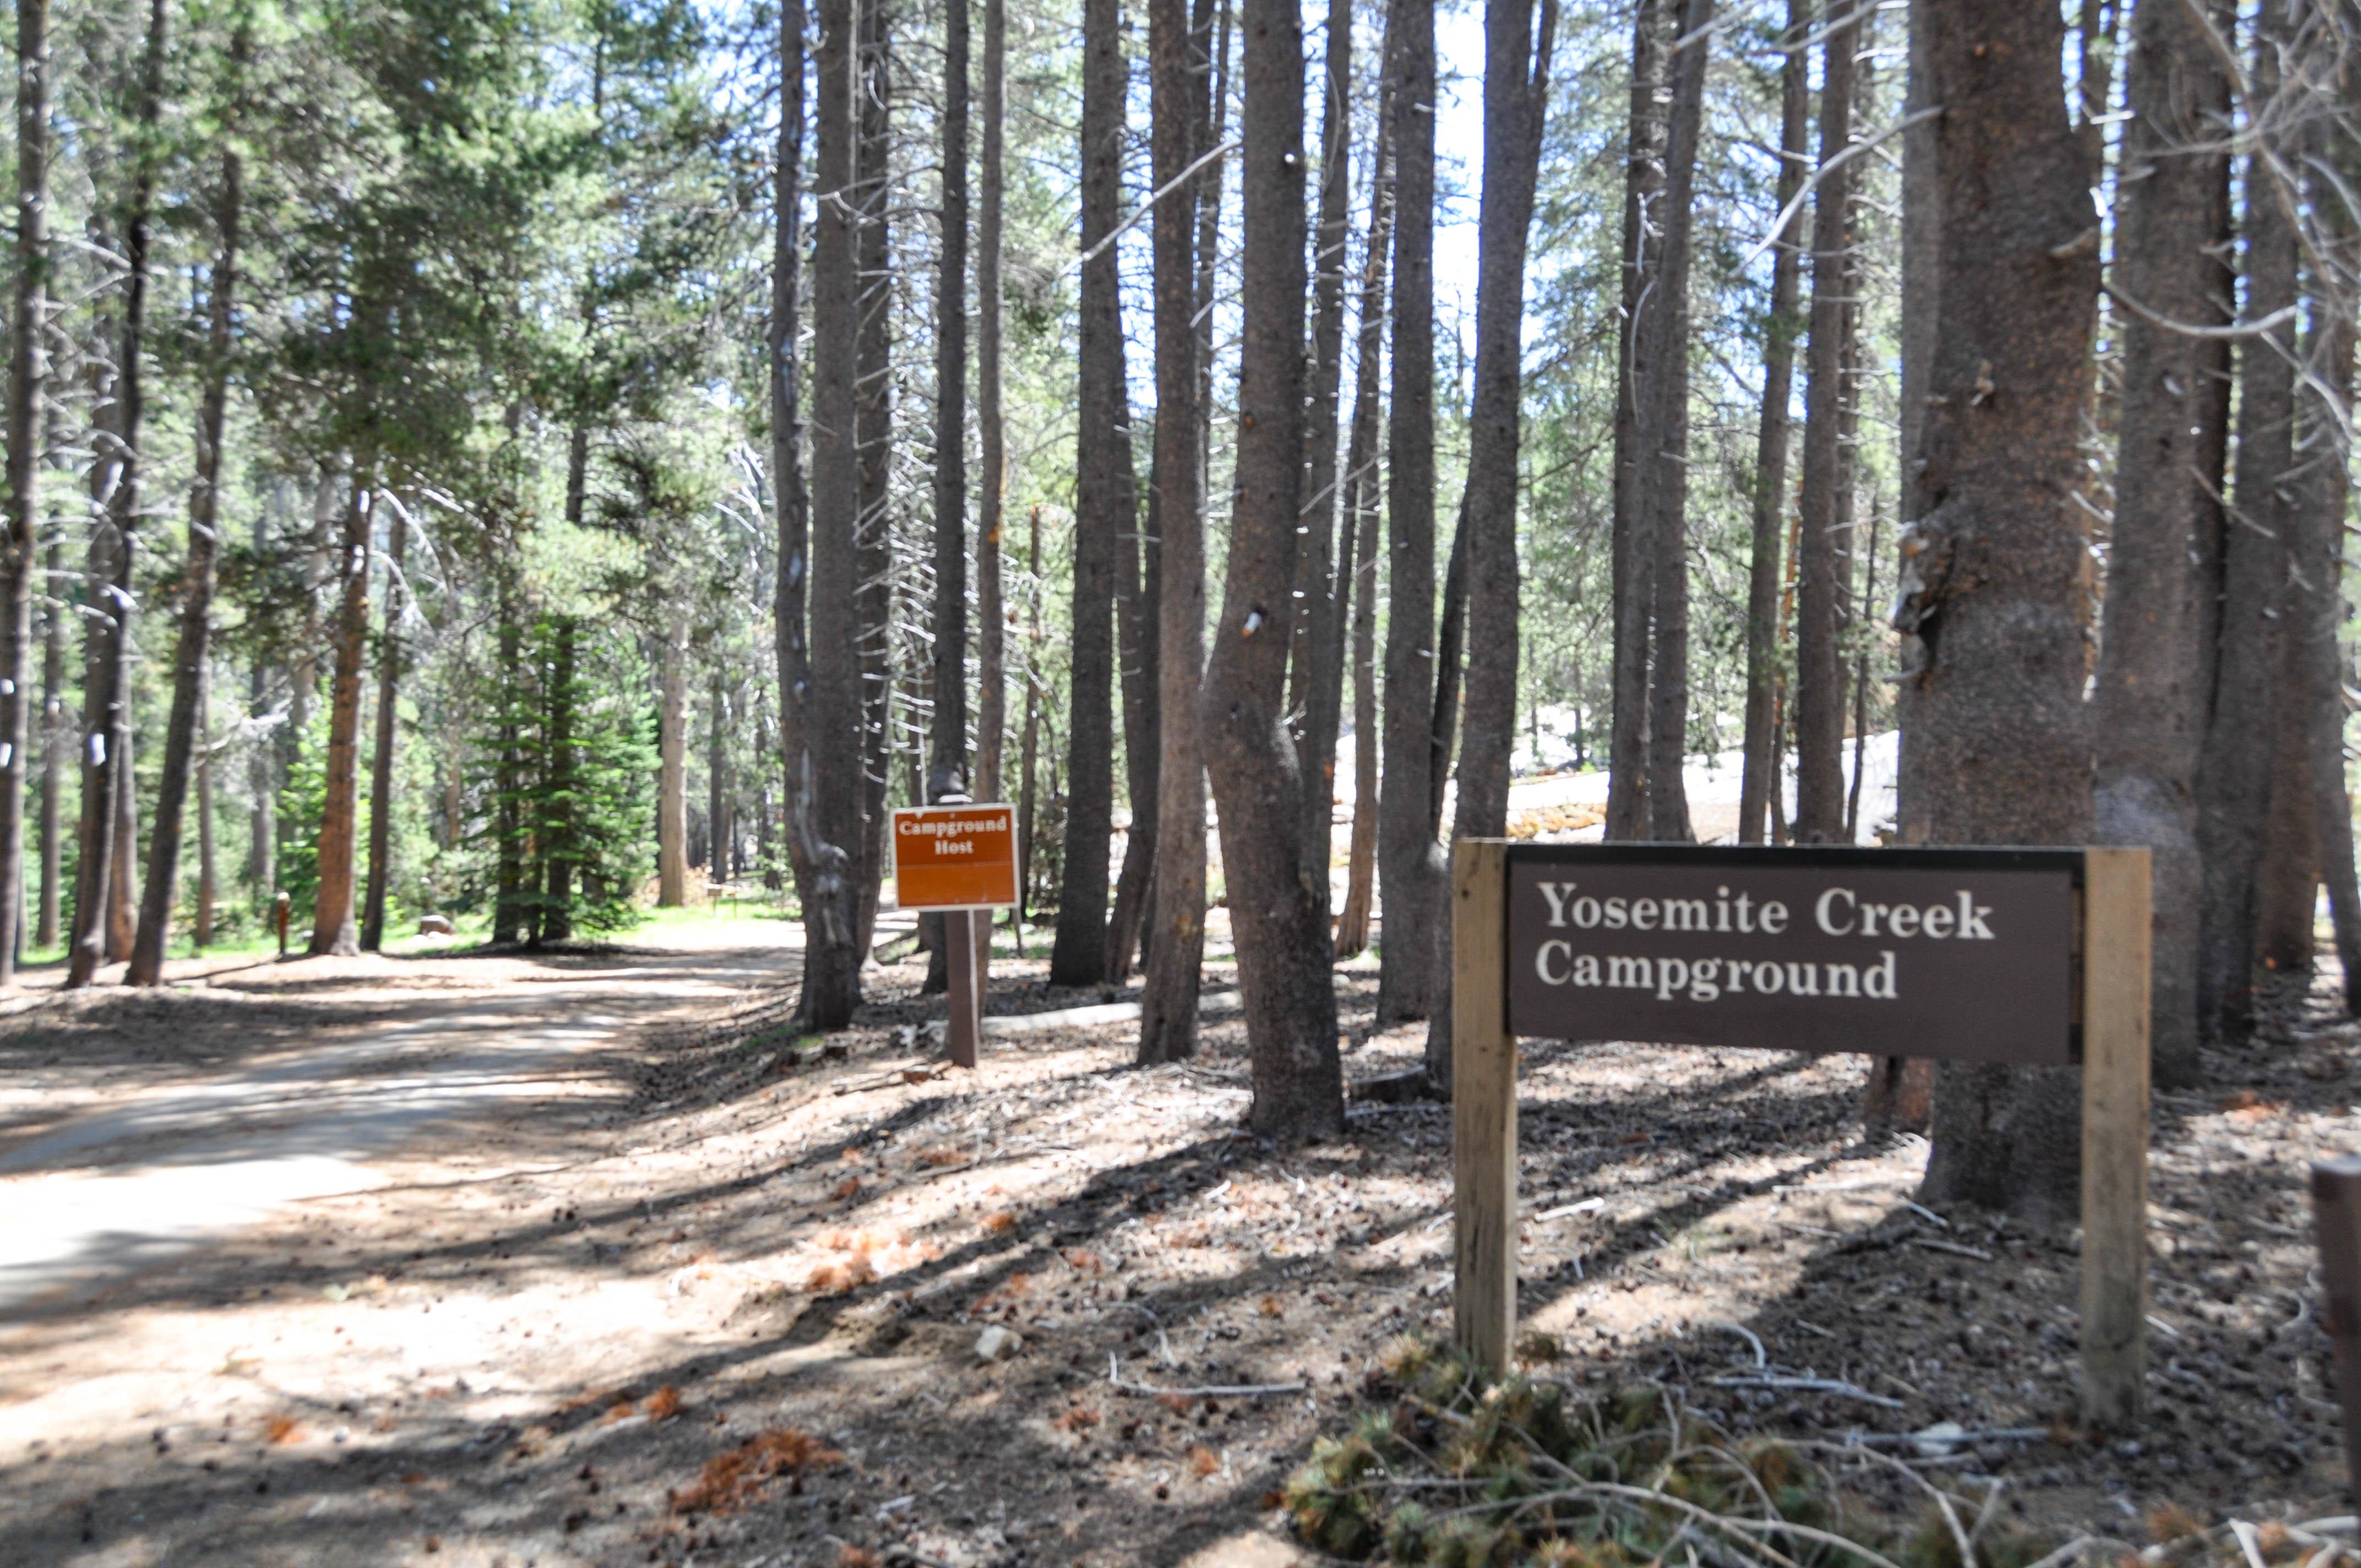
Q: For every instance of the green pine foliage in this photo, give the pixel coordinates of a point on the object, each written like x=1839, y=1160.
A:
x=568, y=741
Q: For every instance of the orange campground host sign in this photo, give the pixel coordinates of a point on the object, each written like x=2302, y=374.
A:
x=955, y=857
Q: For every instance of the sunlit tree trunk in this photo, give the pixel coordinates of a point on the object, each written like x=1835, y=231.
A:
x=1760, y=781
x=1821, y=556
x=1996, y=738
x=333, y=929
x=1105, y=515
x=1176, y=944
x=185, y=736
x=1410, y=869
x=672, y=777
x=1516, y=99
x=29, y=369
x=388, y=732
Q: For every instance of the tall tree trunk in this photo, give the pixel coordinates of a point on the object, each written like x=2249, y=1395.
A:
x=1995, y=745
x=185, y=732
x=833, y=749
x=1450, y=655
x=122, y=924
x=2234, y=765
x=1633, y=559
x=2287, y=885
x=28, y=370
x=1103, y=518
x=2149, y=705
x=1028, y=745
x=1138, y=606
x=1167, y=1025
x=990, y=418
x=672, y=774
x=1516, y=101
x=117, y=482
x=333, y=930
x=716, y=782
x=508, y=895
x=1316, y=671
x=1901, y=1090
x=808, y=744
x=1361, y=558
x=873, y=428
x=389, y=730
x=2325, y=500
x=946, y=763
x=1411, y=872
x=1664, y=454
x=203, y=923
x=1821, y=556
x=1279, y=900
x=558, y=824
x=262, y=776
x=1758, y=781
x=947, y=771
x=56, y=729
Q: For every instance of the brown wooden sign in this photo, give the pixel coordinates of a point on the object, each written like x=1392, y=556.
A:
x=1966, y=955
x=2028, y=955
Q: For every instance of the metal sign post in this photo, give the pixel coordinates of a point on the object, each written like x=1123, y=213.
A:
x=960, y=860
x=2034, y=957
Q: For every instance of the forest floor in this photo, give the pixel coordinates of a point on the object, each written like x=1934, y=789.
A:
x=576, y=1259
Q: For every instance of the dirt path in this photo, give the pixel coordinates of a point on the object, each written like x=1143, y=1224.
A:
x=140, y=1176
x=582, y=1261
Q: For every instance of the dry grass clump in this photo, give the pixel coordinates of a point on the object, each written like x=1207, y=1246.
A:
x=1459, y=1470
x=733, y=1480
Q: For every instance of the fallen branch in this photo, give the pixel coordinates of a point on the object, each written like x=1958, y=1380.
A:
x=1224, y=1391
x=1954, y=1248
x=1811, y=1386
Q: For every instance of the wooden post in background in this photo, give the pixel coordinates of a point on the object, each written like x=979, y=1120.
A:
x=2336, y=1209
x=1483, y=1105
x=2115, y=929
x=966, y=981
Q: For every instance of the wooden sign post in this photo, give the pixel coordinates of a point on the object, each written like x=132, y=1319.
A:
x=2034, y=957
x=960, y=860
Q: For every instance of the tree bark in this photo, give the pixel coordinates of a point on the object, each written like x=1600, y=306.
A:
x=947, y=772
x=1316, y=669
x=992, y=444
x=808, y=746
x=559, y=822
x=1104, y=520
x=1516, y=101
x=2325, y=500
x=1664, y=440
x=1361, y=489
x=1633, y=561
x=28, y=370
x=202, y=924
x=184, y=733
x=672, y=774
x=1995, y=743
x=508, y=895
x=1760, y=777
x=117, y=479
x=2286, y=883
x=1168, y=1027
x=389, y=691
x=1822, y=556
x=55, y=729
x=1277, y=900
x=333, y=930
x=2235, y=764
x=874, y=427
x=1411, y=870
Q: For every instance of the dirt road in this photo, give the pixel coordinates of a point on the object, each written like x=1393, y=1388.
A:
x=582, y=1260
